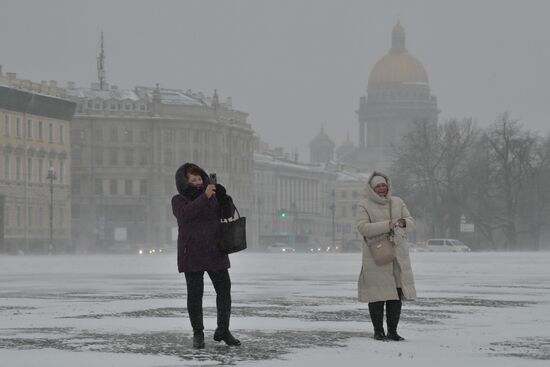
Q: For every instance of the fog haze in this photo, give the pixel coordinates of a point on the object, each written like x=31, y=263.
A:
x=292, y=64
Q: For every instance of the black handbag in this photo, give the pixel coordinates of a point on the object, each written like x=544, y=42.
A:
x=232, y=235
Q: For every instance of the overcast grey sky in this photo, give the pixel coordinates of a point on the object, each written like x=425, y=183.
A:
x=292, y=65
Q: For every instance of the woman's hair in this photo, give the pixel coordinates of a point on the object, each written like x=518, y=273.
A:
x=193, y=170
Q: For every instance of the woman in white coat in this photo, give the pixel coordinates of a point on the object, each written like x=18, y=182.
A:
x=382, y=216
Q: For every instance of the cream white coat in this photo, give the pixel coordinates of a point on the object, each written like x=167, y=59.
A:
x=380, y=283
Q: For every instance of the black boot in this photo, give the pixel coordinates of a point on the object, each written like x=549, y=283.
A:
x=376, y=311
x=226, y=336
x=393, y=312
x=198, y=340
x=222, y=285
x=195, y=288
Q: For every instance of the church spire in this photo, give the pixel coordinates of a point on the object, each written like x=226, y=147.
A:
x=398, y=39
x=101, y=66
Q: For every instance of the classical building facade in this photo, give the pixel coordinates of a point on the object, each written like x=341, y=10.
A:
x=34, y=142
x=293, y=201
x=127, y=145
x=398, y=95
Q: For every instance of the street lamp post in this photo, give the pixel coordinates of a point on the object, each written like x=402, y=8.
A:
x=51, y=177
x=333, y=209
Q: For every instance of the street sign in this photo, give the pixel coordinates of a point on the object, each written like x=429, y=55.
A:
x=467, y=227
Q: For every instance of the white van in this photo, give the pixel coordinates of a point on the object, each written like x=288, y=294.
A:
x=446, y=245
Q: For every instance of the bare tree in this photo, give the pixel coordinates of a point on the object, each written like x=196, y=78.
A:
x=431, y=166
x=511, y=152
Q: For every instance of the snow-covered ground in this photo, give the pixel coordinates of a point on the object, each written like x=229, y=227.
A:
x=477, y=309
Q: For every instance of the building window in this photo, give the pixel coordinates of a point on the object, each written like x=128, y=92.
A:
x=129, y=157
x=113, y=156
x=7, y=125
x=18, y=127
x=18, y=168
x=113, y=106
x=41, y=217
x=29, y=217
x=7, y=167
x=77, y=155
x=128, y=135
x=40, y=170
x=50, y=133
x=40, y=130
x=61, y=172
x=98, y=157
x=29, y=128
x=143, y=187
x=144, y=135
x=143, y=158
x=98, y=186
x=98, y=134
x=114, y=134
x=168, y=160
x=75, y=186
x=113, y=187
x=169, y=136
x=142, y=107
x=127, y=187
x=18, y=216
x=61, y=135
x=75, y=211
x=29, y=169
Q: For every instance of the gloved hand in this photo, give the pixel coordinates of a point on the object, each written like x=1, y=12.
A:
x=220, y=191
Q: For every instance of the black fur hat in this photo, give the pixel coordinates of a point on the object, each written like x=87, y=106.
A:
x=183, y=185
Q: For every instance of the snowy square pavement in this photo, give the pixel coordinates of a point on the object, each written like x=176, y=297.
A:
x=475, y=309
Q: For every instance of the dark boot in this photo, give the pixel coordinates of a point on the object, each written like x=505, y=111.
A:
x=226, y=336
x=222, y=285
x=376, y=311
x=195, y=288
x=198, y=340
x=393, y=312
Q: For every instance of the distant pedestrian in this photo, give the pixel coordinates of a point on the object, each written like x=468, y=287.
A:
x=198, y=207
x=384, y=220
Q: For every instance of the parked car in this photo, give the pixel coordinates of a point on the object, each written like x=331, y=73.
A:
x=446, y=245
x=416, y=247
x=280, y=247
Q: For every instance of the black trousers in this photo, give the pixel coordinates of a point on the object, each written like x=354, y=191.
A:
x=393, y=313
x=195, y=291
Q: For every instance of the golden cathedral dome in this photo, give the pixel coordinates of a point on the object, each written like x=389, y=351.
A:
x=398, y=66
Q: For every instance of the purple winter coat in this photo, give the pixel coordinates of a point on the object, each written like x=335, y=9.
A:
x=198, y=230
x=199, y=234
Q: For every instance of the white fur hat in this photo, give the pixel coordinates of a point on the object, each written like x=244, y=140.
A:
x=377, y=180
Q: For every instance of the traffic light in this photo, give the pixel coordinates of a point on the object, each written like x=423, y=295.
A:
x=283, y=213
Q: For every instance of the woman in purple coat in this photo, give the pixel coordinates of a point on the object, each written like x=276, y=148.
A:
x=198, y=208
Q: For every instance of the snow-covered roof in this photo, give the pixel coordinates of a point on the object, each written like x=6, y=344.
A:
x=170, y=96
x=166, y=96
x=109, y=94
x=282, y=162
x=353, y=176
